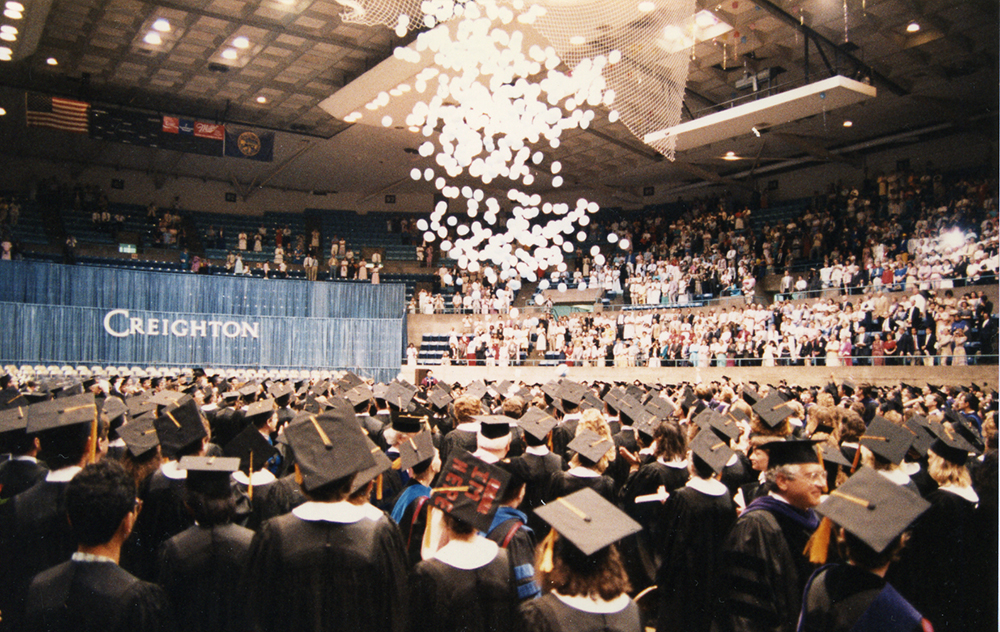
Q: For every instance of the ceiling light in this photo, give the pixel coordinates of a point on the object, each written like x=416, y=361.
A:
x=14, y=6
x=230, y=53
x=262, y=99
x=52, y=61
x=153, y=38
x=645, y=7
x=162, y=25
x=3, y=112
x=848, y=123
x=12, y=14
x=912, y=27
x=7, y=36
x=730, y=155
x=756, y=132
x=577, y=40
x=7, y=28
x=241, y=42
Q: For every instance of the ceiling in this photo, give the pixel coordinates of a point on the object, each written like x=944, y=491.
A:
x=939, y=80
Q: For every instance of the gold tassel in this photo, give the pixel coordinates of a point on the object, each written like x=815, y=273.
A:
x=250, y=478
x=545, y=563
x=819, y=543
x=92, y=448
x=378, y=488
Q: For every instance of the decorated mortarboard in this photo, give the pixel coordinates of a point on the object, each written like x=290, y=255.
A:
x=259, y=411
x=712, y=449
x=537, y=422
x=328, y=447
x=60, y=413
x=439, y=399
x=587, y=520
x=832, y=455
x=470, y=489
x=790, y=452
x=886, y=440
x=476, y=390
x=209, y=475
x=416, y=450
x=872, y=508
x=179, y=428
x=493, y=426
x=139, y=436
x=949, y=444
x=251, y=448
x=923, y=436
x=14, y=419
x=382, y=464
x=590, y=445
x=773, y=409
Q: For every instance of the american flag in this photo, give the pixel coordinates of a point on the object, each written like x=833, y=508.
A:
x=57, y=113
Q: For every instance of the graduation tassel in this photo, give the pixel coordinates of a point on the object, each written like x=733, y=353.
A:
x=250, y=478
x=857, y=458
x=545, y=563
x=92, y=456
x=378, y=488
x=819, y=544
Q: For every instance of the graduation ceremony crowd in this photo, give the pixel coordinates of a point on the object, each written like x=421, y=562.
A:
x=251, y=501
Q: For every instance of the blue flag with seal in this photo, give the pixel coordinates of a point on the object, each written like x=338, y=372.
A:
x=247, y=143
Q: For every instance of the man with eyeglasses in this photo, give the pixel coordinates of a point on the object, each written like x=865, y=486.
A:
x=764, y=569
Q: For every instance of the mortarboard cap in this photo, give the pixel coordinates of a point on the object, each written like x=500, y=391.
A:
x=259, y=411
x=704, y=418
x=790, y=452
x=923, y=436
x=587, y=520
x=872, y=508
x=773, y=409
x=590, y=445
x=231, y=396
x=13, y=419
x=249, y=391
x=537, y=423
x=439, y=399
x=359, y=396
x=209, y=475
x=950, y=445
x=328, y=447
x=382, y=464
x=416, y=450
x=350, y=381
x=250, y=443
x=476, y=390
x=60, y=413
x=139, y=436
x=591, y=400
x=832, y=455
x=611, y=398
x=646, y=424
x=281, y=393
x=406, y=423
x=660, y=407
x=965, y=428
x=711, y=449
x=164, y=398
x=725, y=427
x=179, y=428
x=493, y=426
x=688, y=397
x=750, y=394
x=470, y=490
x=398, y=396
x=887, y=440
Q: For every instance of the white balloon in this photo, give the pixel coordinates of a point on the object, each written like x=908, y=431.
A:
x=581, y=236
x=595, y=250
x=429, y=236
x=386, y=121
x=421, y=224
x=561, y=287
x=623, y=244
x=415, y=173
x=539, y=299
x=557, y=181
x=612, y=238
x=599, y=260
x=451, y=220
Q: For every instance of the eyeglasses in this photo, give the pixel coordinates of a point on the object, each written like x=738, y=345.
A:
x=813, y=477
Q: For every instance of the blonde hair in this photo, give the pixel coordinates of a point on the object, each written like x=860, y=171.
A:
x=465, y=408
x=825, y=399
x=944, y=472
x=593, y=420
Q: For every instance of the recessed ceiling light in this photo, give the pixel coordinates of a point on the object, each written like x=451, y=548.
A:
x=577, y=40
x=162, y=25
x=730, y=155
x=12, y=14
x=241, y=42
x=848, y=123
x=645, y=7
x=912, y=27
x=52, y=61
x=230, y=53
x=262, y=99
x=153, y=38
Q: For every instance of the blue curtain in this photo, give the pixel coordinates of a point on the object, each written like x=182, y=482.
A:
x=58, y=314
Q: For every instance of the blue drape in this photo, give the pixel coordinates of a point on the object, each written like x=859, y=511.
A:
x=56, y=314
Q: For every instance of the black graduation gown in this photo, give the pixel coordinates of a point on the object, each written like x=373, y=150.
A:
x=226, y=424
x=563, y=484
x=519, y=541
x=842, y=598
x=95, y=597
x=738, y=474
x=413, y=525
x=317, y=575
x=36, y=536
x=201, y=569
x=457, y=438
x=449, y=599
x=935, y=573
x=763, y=573
x=536, y=471
x=17, y=475
x=548, y=614
x=163, y=516
x=693, y=526
x=270, y=500
x=563, y=434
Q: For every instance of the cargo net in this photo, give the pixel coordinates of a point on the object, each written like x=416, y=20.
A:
x=645, y=41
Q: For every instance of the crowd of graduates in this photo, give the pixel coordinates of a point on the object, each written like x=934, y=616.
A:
x=208, y=501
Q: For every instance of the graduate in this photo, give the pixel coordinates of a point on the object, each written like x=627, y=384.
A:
x=693, y=524
x=537, y=465
x=593, y=448
x=511, y=532
x=418, y=457
x=90, y=592
x=763, y=569
x=23, y=469
x=871, y=515
x=201, y=567
x=327, y=564
x=584, y=585
x=465, y=583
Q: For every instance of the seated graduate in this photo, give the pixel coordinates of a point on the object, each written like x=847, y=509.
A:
x=23, y=469
x=465, y=582
x=585, y=587
x=201, y=567
x=871, y=515
x=327, y=564
x=90, y=592
x=258, y=497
